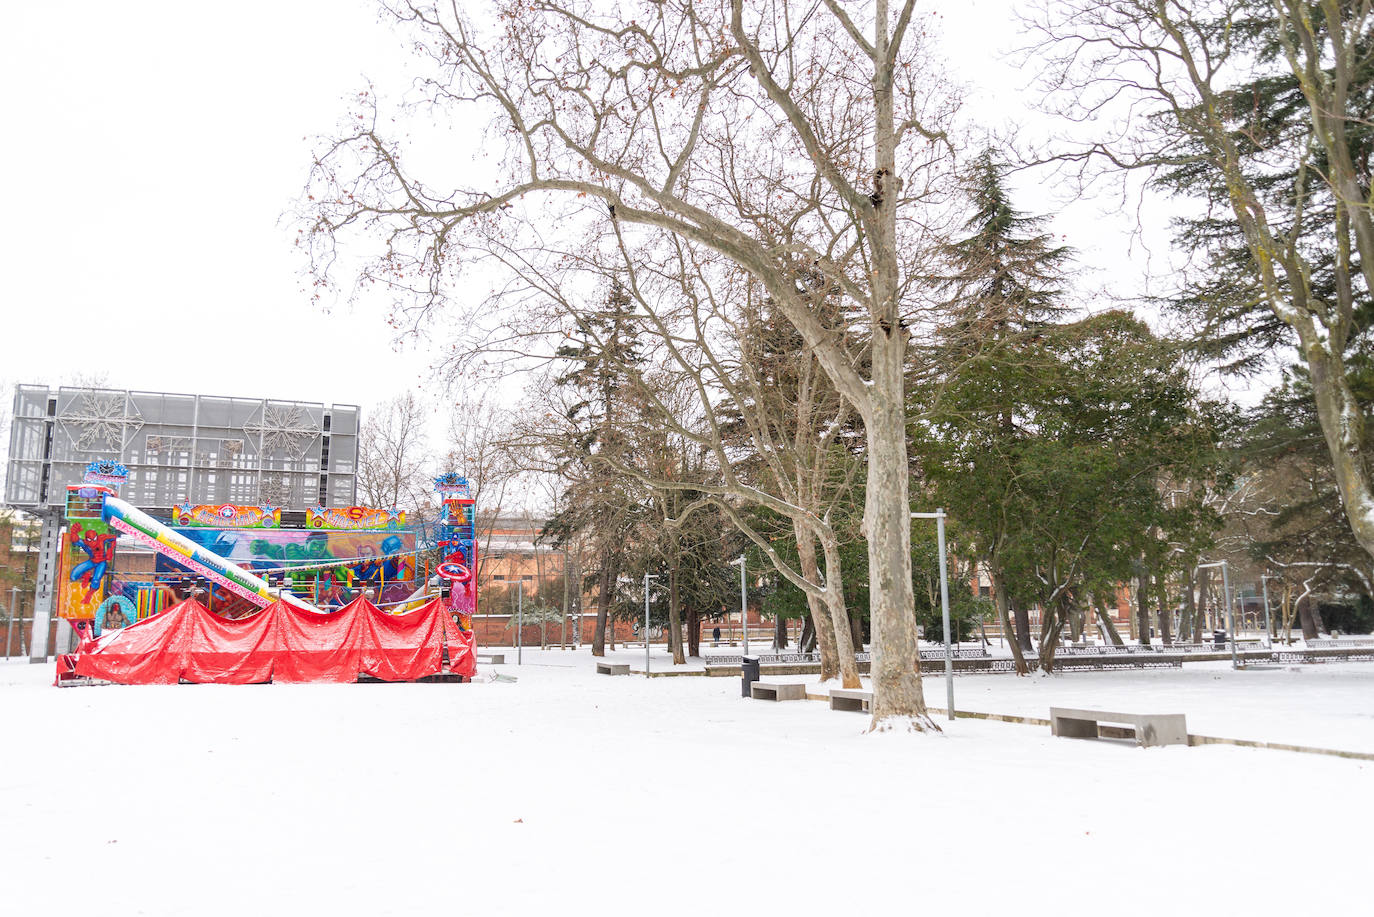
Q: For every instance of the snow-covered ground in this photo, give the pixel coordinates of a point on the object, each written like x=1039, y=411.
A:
x=571, y=793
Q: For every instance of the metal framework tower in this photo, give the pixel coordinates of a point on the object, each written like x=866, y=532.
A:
x=178, y=449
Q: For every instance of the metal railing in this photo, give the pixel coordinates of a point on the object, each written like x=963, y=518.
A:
x=15, y=635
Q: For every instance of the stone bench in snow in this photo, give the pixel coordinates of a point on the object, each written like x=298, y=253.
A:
x=763, y=690
x=492, y=658
x=1150, y=728
x=850, y=699
x=613, y=668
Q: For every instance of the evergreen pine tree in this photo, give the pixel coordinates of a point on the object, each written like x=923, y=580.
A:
x=1006, y=273
x=600, y=505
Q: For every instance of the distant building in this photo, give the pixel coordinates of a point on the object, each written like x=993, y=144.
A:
x=515, y=565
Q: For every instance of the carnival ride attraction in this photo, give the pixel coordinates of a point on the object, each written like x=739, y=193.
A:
x=170, y=544
x=275, y=634
x=282, y=643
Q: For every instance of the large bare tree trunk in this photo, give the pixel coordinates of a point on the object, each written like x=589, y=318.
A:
x=675, y=611
x=896, y=668
x=1307, y=614
x=1187, y=625
x=693, y=632
x=897, y=693
x=1202, y=621
x=603, y=606
x=1108, y=625
x=1021, y=615
x=807, y=641
x=1076, y=624
x=820, y=614
x=999, y=593
x=1288, y=611
x=779, y=632
x=839, y=615
x=1166, y=614
x=1050, y=642
x=1142, y=600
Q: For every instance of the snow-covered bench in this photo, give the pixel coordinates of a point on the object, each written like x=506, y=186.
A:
x=851, y=699
x=1106, y=662
x=764, y=690
x=492, y=658
x=613, y=668
x=1344, y=643
x=1150, y=728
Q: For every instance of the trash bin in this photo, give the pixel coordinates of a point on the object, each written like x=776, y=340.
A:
x=1219, y=639
x=749, y=669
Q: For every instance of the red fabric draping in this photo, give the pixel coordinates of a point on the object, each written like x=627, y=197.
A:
x=319, y=647
x=282, y=643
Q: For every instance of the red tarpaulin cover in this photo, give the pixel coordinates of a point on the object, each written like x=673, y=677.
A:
x=281, y=643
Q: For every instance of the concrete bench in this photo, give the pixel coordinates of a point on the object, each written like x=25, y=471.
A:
x=1150, y=728
x=612, y=668
x=850, y=699
x=762, y=690
x=492, y=658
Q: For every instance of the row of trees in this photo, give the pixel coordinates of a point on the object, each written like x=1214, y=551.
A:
x=1258, y=111
x=732, y=235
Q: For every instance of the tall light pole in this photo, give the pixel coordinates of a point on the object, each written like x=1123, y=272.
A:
x=939, y=517
x=647, y=577
x=520, y=622
x=743, y=602
x=563, y=635
x=13, y=623
x=1226, y=596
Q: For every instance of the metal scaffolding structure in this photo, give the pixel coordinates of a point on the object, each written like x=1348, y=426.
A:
x=182, y=448
x=178, y=449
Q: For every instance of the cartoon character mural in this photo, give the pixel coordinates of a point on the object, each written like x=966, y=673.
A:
x=115, y=613
x=227, y=516
x=354, y=517
x=334, y=565
x=332, y=594
x=89, y=547
x=99, y=547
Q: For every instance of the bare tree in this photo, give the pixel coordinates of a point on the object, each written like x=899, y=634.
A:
x=764, y=411
x=797, y=140
x=7, y=393
x=392, y=455
x=734, y=413
x=479, y=436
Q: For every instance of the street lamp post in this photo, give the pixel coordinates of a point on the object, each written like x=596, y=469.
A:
x=939, y=517
x=520, y=622
x=1230, y=612
x=647, y=577
x=743, y=602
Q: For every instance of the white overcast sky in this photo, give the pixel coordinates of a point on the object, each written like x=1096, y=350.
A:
x=151, y=148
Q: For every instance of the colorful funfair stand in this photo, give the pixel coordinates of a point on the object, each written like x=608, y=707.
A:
x=337, y=601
